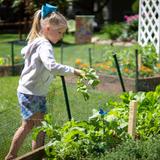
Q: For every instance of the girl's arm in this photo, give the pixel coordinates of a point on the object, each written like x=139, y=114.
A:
x=47, y=58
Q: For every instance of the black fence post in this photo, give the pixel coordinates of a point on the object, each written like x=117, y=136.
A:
x=119, y=72
x=90, y=57
x=66, y=98
x=12, y=58
x=137, y=72
x=65, y=88
x=62, y=52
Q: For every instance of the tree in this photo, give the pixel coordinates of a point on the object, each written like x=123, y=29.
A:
x=26, y=8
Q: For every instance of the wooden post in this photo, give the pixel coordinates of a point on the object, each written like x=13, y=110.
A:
x=132, y=118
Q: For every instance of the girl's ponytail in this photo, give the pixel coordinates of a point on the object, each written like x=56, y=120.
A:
x=36, y=26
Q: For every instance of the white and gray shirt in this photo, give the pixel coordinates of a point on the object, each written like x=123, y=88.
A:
x=40, y=68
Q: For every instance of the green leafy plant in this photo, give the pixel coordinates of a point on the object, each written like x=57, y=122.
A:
x=148, y=121
x=112, y=30
x=136, y=150
x=149, y=55
x=90, y=79
x=71, y=26
x=5, y=60
x=104, y=130
x=148, y=61
x=79, y=139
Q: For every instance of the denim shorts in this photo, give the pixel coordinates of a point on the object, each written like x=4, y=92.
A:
x=31, y=104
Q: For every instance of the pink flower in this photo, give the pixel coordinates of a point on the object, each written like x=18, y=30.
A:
x=130, y=19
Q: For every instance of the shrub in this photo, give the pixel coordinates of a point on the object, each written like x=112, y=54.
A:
x=136, y=150
x=113, y=31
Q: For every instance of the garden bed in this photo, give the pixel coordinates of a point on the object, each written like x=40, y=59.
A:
x=99, y=133
x=11, y=70
x=34, y=155
x=147, y=84
x=111, y=83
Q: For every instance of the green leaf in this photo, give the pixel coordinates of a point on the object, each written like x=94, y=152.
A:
x=93, y=81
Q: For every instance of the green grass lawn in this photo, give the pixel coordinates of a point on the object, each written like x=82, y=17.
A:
x=71, y=51
x=10, y=114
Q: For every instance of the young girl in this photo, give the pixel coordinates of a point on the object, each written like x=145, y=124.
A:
x=40, y=68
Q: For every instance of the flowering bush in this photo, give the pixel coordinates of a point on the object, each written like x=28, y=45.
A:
x=130, y=30
x=80, y=64
x=131, y=19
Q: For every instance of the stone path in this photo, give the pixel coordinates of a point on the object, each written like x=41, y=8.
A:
x=97, y=40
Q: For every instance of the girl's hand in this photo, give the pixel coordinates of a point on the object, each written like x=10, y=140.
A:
x=79, y=72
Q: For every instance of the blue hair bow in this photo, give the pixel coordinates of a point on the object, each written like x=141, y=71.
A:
x=47, y=9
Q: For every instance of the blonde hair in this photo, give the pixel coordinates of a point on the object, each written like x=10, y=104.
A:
x=55, y=18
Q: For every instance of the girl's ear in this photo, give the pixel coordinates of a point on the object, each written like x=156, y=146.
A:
x=47, y=28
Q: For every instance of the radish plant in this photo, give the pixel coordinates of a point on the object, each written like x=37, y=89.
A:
x=91, y=79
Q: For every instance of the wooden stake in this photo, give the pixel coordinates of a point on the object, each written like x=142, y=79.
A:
x=132, y=118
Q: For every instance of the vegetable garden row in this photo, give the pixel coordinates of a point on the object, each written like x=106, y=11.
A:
x=106, y=131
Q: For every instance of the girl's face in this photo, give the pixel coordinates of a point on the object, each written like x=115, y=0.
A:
x=54, y=34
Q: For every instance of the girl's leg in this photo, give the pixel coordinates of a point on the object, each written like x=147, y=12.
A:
x=18, y=138
x=37, y=118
